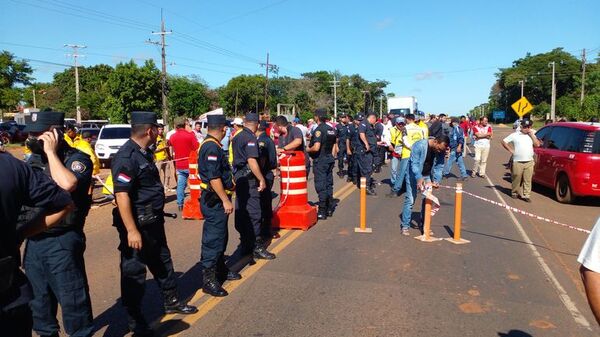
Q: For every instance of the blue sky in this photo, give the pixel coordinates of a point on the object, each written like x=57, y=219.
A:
x=443, y=52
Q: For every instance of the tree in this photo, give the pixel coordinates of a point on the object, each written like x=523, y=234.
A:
x=188, y=96
x=249, y=90
x=132, y=88
x=13, y=72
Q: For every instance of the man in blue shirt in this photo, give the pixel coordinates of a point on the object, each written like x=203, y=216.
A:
x=457, y=145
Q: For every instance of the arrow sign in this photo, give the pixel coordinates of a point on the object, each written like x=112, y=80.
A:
x=522, y=106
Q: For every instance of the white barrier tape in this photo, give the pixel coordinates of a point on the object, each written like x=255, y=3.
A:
x=193, y=166
x=293, y=168
x=194, y=187
x=520, y=211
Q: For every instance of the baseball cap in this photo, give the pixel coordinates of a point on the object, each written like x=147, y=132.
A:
x=400, y=120
x=238, y=121
x=526, y=123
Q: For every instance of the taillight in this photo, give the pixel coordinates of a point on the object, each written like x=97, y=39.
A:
x=588, y=143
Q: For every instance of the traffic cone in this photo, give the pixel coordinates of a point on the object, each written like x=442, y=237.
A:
x=293, y=211
x=191, y=208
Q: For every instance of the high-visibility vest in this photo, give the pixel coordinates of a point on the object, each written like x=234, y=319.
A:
x=160, y=145
x=231, y=146
x=414, y=133
x=72, y=142
x=204, y=185
x=85, y=147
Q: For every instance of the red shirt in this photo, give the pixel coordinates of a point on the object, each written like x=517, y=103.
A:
x=465, y=126
x=183, y=143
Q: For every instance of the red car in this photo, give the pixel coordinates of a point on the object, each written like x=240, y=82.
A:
x=568, y=159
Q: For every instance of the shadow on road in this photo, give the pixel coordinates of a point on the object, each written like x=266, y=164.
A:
x=514, y=333
x=516, y=241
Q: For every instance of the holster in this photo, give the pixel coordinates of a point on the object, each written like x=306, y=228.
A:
x=148, y=216
x=244, y=172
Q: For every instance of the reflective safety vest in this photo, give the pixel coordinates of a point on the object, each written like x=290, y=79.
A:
x=231, y=146
x=72, y=142
x=160, y=145
x=414, y=133
x=85, y=147
x=204, y=185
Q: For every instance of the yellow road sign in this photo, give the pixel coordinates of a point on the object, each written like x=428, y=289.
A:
x=522, y=106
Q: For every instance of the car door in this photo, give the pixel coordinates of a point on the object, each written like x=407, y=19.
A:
x=542, y=157
x=564, y=144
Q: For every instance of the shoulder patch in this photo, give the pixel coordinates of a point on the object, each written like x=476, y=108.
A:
x=77, y=166
x=211, y=158
x=251, y=143
x=261, y=144
x=317, y=133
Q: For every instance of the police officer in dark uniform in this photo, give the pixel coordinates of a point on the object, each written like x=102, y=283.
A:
x=21, y=185
x=379, y=151
x=342, y=135
x=267, y=161
x=215, y=203
x=322, y=149
x=139, y=219
x=366, y=146
x=352, y=145
x=249, y=183
x=54, y=257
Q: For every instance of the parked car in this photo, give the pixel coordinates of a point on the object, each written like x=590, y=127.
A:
x=12, y=132
x=110, y=140
x=568, y=159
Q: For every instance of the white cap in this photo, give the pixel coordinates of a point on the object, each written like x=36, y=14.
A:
x=238, y=121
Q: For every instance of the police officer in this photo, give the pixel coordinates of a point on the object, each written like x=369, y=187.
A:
x=322, y=149
x=267, y=161
x=54, y=257
x=379, y=151
x=215, y=203
x=342, y=135
x=352, y=148
x=139, y=219
x=249, y=183
x=366, y=146
x=21, y=185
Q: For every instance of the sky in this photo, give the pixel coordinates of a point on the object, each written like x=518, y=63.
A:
x=445, y=53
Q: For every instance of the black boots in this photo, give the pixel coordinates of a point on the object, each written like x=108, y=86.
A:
x=260, y=251
x=174, y=306
x=137, y=324
x=330, y=206
x=224, y=274
x=210, y=284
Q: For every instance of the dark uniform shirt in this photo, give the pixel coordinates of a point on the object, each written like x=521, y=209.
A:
x=292, y=134
x=243, y=147
x=212, y=163
x=353, y=135
x=378, y=131
x=134, y=172
x=22, y=185
x=369, y=131
x=326, y=135
x=267, y=155
x=342, y=133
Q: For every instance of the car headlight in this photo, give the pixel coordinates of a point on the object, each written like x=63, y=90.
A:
x=100, y=148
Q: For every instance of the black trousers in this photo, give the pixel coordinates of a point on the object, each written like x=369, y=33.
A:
x=214, y=233
x=248, y=215
x=324, y=180
x=365, y=164
x=266, y=206
x=16, y=322
x=342, y=154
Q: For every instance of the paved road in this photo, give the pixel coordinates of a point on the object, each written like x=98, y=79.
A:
x=515, y=278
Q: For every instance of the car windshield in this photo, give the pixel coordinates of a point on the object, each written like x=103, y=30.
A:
x=116, y=133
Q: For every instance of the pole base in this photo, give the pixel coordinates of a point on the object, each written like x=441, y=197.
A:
x=360, y=230
x=457, y=242
x=424, y=239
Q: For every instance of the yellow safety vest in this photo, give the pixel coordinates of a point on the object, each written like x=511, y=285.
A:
x=70, y=141
x=85, y=147
x=414, y=133
x=423, y=126
x=204, y=185
x=231, y=146
x=160, y=144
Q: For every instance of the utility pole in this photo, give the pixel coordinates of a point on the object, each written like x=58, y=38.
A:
x=553, y=99
x=75, y=56
x=34, y=103
x=163, y=77
x=583, y=61
x=236, y=102
x=366, y=92
x=268, y=67
x=381, y=108
x=522, y=83
x=334, y=85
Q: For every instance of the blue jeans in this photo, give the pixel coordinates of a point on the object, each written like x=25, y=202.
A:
x=398, y=173
x=409, y=199
x=182, y=178
x=458, y=158
x=438, y=166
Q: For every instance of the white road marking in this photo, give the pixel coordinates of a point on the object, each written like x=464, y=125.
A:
x=562, y=294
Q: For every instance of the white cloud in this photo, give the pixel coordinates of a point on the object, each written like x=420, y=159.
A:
x=428, y=75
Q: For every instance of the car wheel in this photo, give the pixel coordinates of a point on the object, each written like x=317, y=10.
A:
x=563, y=190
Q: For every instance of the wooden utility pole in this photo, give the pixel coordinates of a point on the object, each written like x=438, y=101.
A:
x=75, y=56
x=583, y=61
x=236, y=102
x=163, y=77
x=268, y=67
x=334, y=85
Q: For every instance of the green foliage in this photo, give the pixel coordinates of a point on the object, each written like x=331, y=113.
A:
x=188, y=96
x=13, y=72
x=242, y=93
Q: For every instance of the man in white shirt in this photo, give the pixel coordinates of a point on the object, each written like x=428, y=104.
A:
x=302, y=128
x=590, y=269
x=482, y=133
x=523, y=143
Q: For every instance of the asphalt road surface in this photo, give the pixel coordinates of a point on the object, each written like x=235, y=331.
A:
x=518, y=277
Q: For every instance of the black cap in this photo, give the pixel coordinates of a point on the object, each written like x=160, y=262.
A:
x=359, y=117
x=263, y=125
x=42, y=121
x=143, y=117
x=252, y=117
x=320, y=112
x=216, y=120
x=342, y=115
x=526, y=123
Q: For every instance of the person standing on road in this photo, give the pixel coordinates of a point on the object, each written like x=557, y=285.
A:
x=589, y=257
x=183, y=143
x=163, y=158
x=350, y=141
x=22, y=185
x=322, y=149
x=267, y=161
x=342, y=133
x=198, y=132
x=54, y=257
x=379, y=151
x=457, y=146
x=367, y=143
x=139, y=220
x=398, y=167
x=420, y=164
x=249, y=183
x=523, y=143
x=85, y=145
x=215, y=202
x=482, y=133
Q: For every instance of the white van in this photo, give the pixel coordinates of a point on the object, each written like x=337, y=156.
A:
x=110, y=140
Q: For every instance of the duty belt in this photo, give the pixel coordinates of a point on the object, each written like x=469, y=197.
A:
x=206, y=187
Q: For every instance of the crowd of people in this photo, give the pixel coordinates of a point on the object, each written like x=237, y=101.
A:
x=46, y=199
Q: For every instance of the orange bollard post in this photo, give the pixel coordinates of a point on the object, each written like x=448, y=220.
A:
x=363, y=208
x=458, y=217
x=191, y=208
x=426, y=237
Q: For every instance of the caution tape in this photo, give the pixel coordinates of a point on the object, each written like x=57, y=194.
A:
x=520, y=211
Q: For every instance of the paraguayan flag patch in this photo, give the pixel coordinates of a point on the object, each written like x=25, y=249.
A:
x=212, y=158
x=251, y=144
x=122, y=177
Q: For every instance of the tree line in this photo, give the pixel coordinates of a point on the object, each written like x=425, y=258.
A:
x=108, y=92
x=536, y=74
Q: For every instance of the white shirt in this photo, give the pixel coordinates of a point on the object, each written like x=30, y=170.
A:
x=170, y=133
x=199, y=136
x=304, y=132
x=482, y=142
x=523, y=145
x=590, y=253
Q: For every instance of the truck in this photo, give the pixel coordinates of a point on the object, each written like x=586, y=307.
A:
x=402, y=105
